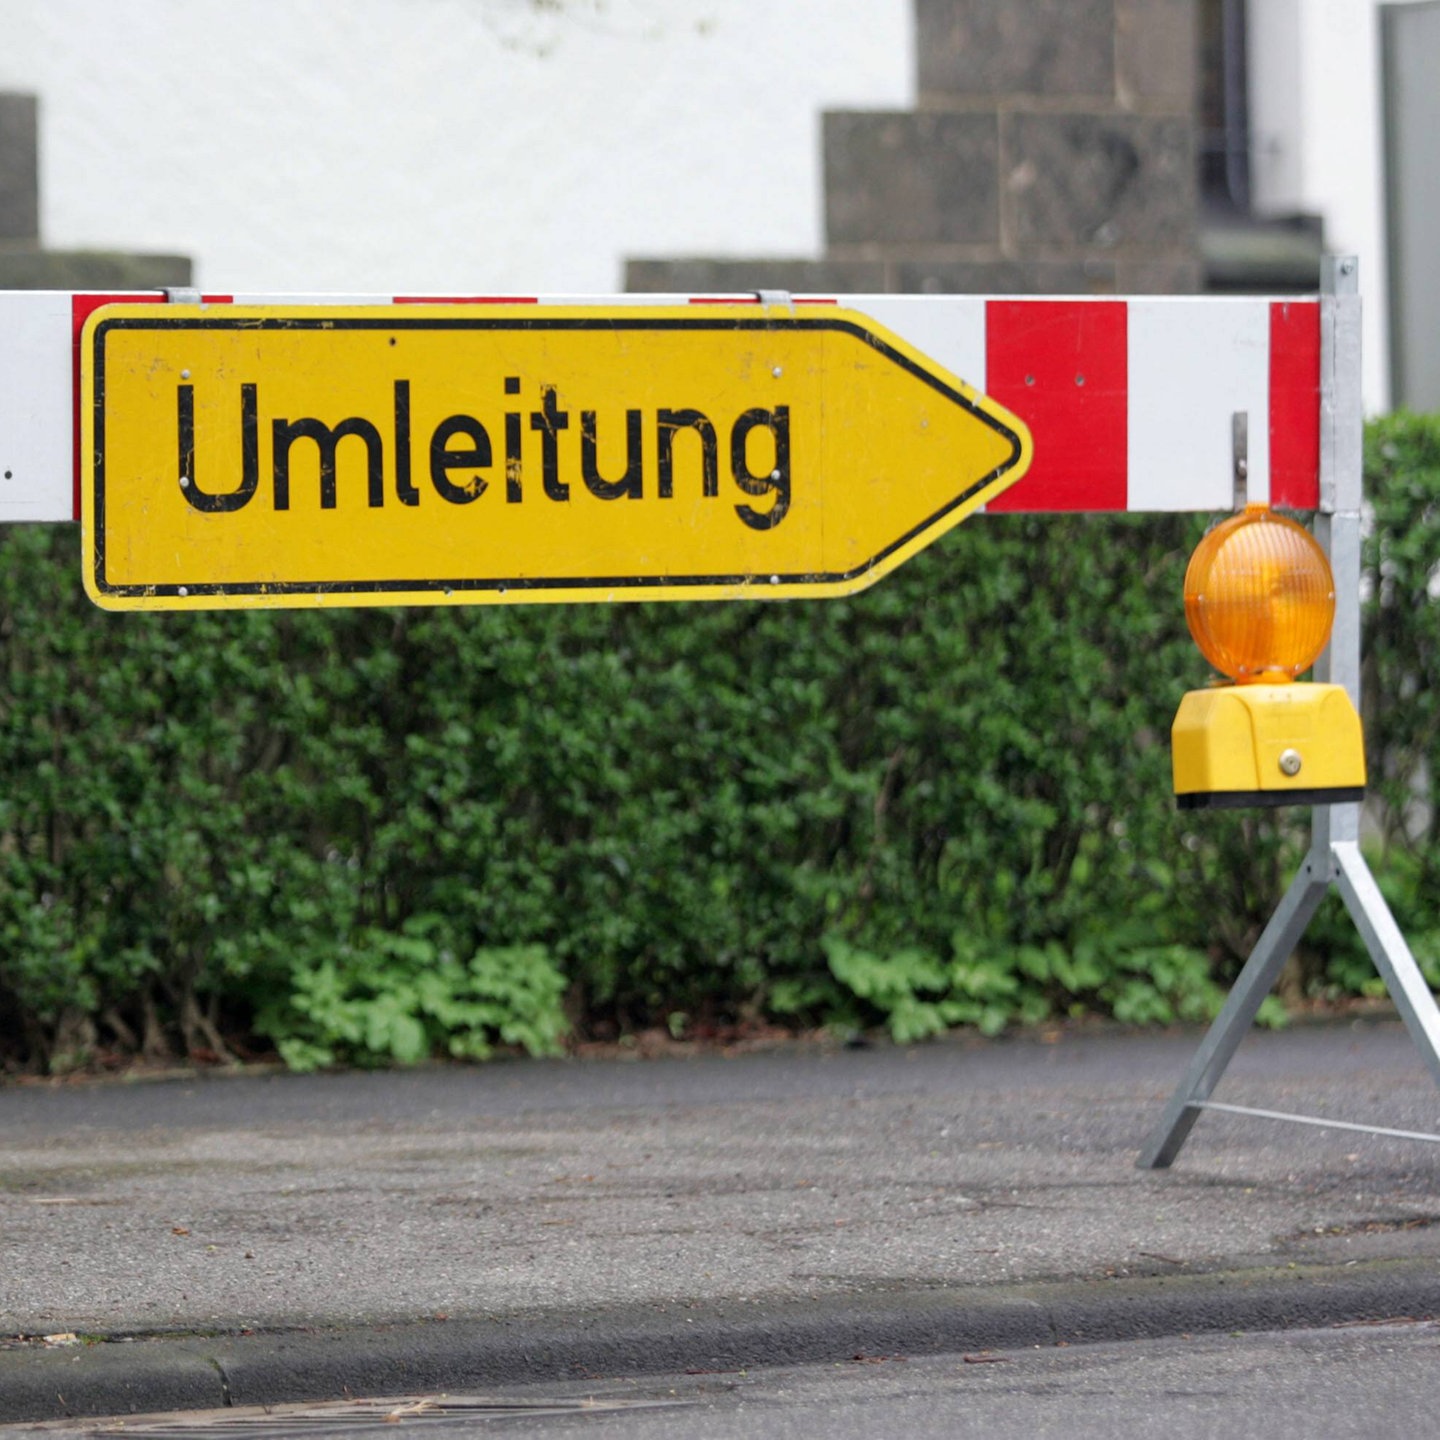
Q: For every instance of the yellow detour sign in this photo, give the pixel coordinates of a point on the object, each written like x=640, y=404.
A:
x=377, y=455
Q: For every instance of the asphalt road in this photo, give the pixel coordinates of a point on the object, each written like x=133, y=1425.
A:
x=267, y=1239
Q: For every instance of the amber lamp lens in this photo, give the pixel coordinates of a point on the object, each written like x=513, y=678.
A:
x=1259, y=597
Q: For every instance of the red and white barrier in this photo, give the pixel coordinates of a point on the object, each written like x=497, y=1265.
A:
x=1130, y=402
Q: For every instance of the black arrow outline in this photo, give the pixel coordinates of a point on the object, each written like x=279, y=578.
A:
x=763, y=586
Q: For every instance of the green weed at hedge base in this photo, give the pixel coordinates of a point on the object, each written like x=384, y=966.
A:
x=401, y=998
x=377, y=836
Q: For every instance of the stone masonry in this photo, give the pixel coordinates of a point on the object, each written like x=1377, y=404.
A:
x=1052, y=151
x=24, y=262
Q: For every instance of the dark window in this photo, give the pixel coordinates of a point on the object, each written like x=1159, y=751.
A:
x=1224, y=109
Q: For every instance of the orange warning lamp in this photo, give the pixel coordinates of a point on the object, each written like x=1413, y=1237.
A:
x=1260, y=601
x=1259, y=597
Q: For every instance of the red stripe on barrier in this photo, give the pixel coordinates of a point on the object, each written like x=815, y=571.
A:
x=1295, y=404
x=1062, y=367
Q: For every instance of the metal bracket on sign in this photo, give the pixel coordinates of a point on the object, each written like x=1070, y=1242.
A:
x=1240, y=453
x=182, y=295
x=775, y=297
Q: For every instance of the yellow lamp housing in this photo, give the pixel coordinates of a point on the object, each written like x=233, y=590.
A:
x=1260, y=600
x=1242, y=745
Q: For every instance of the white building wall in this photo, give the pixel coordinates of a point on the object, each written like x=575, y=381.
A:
x=1316, y=109
x=443, y=146
x=1276, y=162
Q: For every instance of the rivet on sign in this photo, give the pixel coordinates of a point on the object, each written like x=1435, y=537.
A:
x=1290, y=762
x=1079, y=379
x=777, y=372
x=182, y=591
x=184, y=482
x=774, y=579
x=774, y=474
x=1029, y=379
x=184, y=374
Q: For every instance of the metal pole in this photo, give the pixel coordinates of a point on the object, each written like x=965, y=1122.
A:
x=1337, y=524
x=1342, y=469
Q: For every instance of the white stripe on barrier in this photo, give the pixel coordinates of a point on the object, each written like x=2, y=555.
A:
x=1193, y=364
x=37, y=412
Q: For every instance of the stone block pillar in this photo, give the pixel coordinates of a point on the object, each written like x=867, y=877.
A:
x=1052, y=150
x=19, y=171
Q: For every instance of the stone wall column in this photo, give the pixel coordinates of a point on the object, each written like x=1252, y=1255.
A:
x=19, y=171
x=1052, y=150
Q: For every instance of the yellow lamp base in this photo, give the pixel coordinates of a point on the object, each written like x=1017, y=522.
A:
x=1243, y=745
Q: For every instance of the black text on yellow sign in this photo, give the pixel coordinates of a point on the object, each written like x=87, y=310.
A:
x=259, y=456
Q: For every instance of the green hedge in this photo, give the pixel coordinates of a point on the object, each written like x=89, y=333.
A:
x=383, y=835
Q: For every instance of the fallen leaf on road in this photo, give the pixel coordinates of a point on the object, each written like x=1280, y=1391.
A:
x=419, y=1407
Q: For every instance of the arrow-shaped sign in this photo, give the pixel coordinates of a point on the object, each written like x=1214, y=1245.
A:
x=294, y=455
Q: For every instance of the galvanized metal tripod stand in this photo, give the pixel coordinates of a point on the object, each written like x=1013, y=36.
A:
x=1334, y=856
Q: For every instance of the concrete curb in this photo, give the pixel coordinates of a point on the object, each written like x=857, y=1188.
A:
x=132, y=1375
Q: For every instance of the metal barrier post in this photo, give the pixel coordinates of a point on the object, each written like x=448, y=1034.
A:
x=1334, y=855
